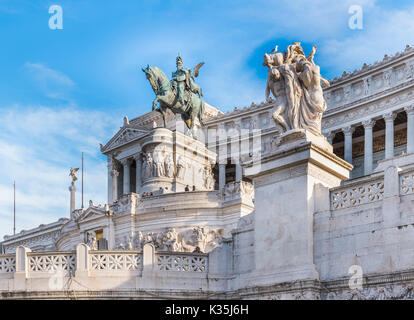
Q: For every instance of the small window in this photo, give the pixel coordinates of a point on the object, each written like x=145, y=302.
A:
x=99, y=235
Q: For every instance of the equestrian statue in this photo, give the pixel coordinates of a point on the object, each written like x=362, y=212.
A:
x=181, y=95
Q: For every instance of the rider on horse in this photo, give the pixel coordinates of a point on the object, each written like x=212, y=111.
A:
x=183, y=81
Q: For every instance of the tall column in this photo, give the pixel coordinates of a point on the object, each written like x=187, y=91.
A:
x=389, y=134
x=110, y=179
x=138, y=173
x=410, y=128
x=72, y=190
x=127, y=176
x=222, y=176
x=114, y=174
x=239, y=171
x=348, y=131
x=368, y=125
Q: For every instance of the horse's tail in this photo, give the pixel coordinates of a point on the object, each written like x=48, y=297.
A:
x=201, y=112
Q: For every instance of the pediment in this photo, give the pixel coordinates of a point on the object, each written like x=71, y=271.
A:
x=91, y=214
x=125, y=135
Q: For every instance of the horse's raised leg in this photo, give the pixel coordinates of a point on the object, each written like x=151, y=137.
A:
x=154, y=103
x=192, y=118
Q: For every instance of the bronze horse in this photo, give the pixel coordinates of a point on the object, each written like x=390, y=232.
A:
x=167, y=96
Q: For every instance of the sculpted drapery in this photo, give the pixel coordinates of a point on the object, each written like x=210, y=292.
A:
x=295, y=82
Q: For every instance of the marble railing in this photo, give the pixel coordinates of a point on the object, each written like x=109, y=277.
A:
x=7, y=263
x=100, y=263
x=407, y=183
x=371, y=191
x=184, y=262
x=355, y=195
x=51, y=261
x=115, y=260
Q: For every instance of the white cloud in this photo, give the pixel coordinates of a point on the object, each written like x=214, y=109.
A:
x=38, y=145
x=53, y=83
x=385, y=32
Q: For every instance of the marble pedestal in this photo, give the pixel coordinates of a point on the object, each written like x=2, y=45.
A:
x=285, y=182
x=177, y=160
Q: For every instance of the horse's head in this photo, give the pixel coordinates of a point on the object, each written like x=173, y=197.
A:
x=157, y=78
x=151, y=77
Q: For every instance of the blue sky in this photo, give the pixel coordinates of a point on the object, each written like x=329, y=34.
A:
x=65, y=91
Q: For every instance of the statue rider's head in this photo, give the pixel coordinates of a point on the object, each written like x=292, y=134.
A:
x=179, y=62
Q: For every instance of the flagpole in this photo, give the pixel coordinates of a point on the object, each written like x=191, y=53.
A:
x=82, y=180
x=14, y=207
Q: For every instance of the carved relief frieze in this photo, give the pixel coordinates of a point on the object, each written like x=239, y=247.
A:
x=403, y=291
x=170, y=239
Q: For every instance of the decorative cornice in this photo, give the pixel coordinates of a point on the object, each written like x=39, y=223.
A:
x=387, y=60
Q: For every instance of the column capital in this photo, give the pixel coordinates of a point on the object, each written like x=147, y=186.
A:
x=137, y=156
x=114, y=173
x=409, y=109
x=126, y=161
x=349, y=130
x=389, y=116
x=368, y=123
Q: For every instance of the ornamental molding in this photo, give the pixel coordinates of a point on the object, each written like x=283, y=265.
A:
x=125, y=135
x=92, y=213
x=366, y=69
x=43, y=240
x=387, y=103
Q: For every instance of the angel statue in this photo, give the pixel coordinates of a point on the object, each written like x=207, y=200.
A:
x=181, y=95
x=72, y=174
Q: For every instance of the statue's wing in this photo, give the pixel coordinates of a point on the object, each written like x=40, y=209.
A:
x=196, y=68
x=75, y=170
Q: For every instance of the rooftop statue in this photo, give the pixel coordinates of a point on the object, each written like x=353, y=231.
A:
x=295, y=82
x=181, y=95
x=72, y=174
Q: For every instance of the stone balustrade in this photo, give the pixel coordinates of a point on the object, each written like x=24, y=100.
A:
x=356, y=195
x=51, y=262
x=370, y=191
x=184, y=262
x=102, y=270
x=407, y=183
x=115, y=261
x=7, y=264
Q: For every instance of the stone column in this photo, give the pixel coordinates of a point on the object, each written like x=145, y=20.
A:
x=222, y=176
x=410, y=128
x=138, y=172
x=239, y=172
x=348, y=131
x=330, y=137
x=368, y=125
x=110, y=179
x=389, y=134
x=127, y=175
x=114, y=174
x=72, y=190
